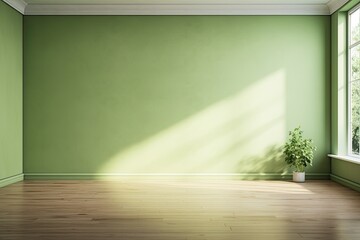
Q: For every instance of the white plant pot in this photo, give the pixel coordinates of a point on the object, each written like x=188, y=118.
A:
x=299, y=177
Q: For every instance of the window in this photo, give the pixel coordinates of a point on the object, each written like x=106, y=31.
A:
x=354, y=80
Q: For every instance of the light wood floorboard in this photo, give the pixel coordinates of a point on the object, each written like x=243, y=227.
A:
x=178, y=209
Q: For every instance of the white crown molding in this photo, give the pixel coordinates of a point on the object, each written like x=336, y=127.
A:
x=18, y=5
x=334, y=5
x=177, y=9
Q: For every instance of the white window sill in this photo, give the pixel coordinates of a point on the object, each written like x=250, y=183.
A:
x=346, y=158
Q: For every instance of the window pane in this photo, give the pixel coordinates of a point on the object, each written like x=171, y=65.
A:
x=355, y=63
x=355, y=116
x=355, y=26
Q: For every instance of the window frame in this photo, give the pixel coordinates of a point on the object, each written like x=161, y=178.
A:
x=349, y=47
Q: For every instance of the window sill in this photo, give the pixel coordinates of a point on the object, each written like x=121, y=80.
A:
x=346, y=158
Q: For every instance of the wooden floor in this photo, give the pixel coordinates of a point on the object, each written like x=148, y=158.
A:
x=178, y=209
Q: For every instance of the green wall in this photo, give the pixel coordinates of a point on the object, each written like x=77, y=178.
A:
x=173, y=94
x=344, y=172
x=10, y=95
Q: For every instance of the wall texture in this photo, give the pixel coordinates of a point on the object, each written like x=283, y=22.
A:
x=173, y=94
x=10, y=95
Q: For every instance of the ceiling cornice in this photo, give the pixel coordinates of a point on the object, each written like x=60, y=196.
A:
x=176, y=9
x=334, y=5
x=18, y=5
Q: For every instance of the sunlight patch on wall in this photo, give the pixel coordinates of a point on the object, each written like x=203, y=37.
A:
x=239, y=134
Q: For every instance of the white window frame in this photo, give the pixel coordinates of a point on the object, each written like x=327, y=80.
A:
x=349, y=80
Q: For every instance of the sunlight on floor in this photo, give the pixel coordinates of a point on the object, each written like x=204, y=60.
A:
x=168, y=208
x=206, y=183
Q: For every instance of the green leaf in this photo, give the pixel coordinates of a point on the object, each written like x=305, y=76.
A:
x=298, y=151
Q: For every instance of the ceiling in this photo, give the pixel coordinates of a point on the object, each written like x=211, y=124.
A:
x=176, y=7
x=176, y=1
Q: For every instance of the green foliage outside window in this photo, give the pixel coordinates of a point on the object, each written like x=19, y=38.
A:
x=355, y=90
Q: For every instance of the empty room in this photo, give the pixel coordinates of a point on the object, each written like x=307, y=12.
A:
x=179, y=119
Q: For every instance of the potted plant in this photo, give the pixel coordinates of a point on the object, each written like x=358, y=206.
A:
x=299, y=153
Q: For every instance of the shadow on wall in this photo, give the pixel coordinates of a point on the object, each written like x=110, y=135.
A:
x=270, y=160
x=240, y=134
